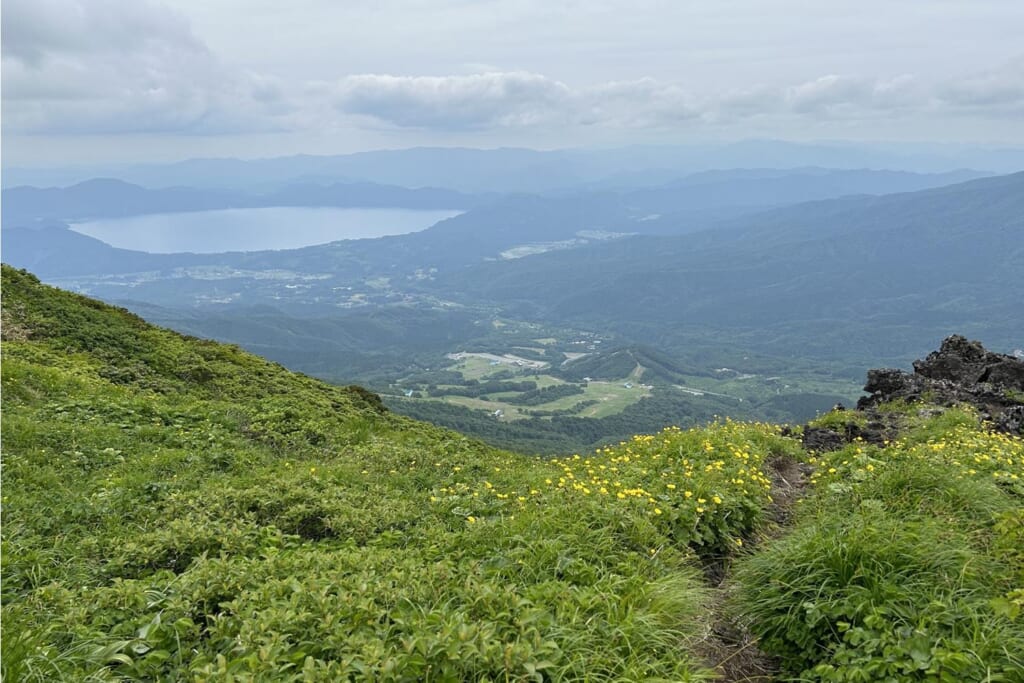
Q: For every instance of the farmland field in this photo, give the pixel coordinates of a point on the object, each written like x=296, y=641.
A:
x=610, y=398
x=601, y=397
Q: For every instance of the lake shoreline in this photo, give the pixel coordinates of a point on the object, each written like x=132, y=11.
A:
x=255, y=229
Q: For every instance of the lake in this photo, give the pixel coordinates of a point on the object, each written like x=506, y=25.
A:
x=208, y=232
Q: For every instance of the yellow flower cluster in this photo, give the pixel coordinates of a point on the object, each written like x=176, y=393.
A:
x=978, y=453
x=688, y=477
x=974, y=451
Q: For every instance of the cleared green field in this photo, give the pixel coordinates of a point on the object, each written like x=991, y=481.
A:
x=476, y=368
x=479, y=367
x=611, y=398
x=544, y=380
x=511, y=412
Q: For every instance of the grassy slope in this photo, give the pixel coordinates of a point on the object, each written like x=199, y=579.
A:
x=905, y=564
x=177, y=509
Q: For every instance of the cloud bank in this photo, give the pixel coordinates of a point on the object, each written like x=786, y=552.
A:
x=524, y=99
x=109, y=66
x=131, y=66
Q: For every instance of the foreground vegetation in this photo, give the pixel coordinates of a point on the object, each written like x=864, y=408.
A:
x=905, y=564
x=180, y=510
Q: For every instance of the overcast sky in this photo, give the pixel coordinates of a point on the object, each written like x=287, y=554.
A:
x=139, y=80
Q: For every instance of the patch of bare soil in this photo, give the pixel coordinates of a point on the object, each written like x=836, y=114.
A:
x=731, y=652
x=789, y=483
x=728, y=648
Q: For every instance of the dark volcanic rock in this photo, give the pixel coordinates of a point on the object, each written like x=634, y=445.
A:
x=886, y=384
x=1005, y=373
x=1010, y=420
x=877, y=431
x=961, y=371
x=967, y=362
x=822, y=439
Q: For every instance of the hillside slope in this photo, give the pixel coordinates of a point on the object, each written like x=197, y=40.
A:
x=175, y=509
x=824, y=279
x=178, y=509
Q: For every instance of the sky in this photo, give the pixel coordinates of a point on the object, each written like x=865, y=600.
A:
x=97, y=81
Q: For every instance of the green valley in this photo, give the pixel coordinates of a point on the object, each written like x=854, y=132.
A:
x=577, y=394
x=746, y=310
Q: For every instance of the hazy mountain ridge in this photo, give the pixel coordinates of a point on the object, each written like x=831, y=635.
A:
x=840, y=282
x=947, y=256
x=528, y=170
x=25, y=206
x=767, y=188
x=492, y=225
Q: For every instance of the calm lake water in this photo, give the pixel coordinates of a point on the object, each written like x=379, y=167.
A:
x=207, y=232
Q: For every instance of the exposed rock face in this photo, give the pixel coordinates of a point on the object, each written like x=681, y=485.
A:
x=1011, y=420
x=822, y=440
x=879, y=429
x=961, y=371
x=967, y=362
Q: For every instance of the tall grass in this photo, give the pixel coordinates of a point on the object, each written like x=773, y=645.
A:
x=896, y=570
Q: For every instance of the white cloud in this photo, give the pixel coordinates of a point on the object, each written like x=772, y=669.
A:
x=827, y=92
x=509, y=100
x=641, y=103
x=131, y=66
x=37, y=30
x=835, y=95
x=521, y=99
x=454, y=102
x=74, y=66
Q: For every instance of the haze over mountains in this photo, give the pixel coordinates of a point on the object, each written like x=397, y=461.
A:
x=833, y=273
x=810, y=274
x=527, y=170
x=112, y=198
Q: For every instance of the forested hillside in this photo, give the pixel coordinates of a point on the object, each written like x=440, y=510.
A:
x=831, y=279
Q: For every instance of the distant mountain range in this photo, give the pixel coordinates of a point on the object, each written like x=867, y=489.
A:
x=690, y=268
x=525, y=170
x=111, y=198
x=494, y=226
x=821, y=276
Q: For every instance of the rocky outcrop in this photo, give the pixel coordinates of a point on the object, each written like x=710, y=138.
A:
x=879, y=429
x=1010, y=420
x=968, y=363
x=961, y=371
